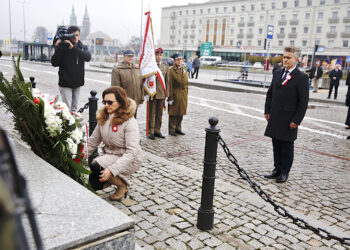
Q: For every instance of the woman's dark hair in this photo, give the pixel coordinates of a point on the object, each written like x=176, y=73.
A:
x=120, y=95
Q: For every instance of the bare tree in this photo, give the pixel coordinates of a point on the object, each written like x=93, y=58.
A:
x=135, y=44
x=41, y=34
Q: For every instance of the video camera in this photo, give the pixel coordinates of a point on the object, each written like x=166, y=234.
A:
x=62, y=33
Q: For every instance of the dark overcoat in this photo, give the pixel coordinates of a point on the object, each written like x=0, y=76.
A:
x=177, y=87
x=286, y=104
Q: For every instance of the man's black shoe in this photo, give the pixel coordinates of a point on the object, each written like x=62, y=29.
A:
x=151, y=136
x=274, y=174
x=282, y=178
x=159, y=135
x=179, y=132
x=172, y=134
x=348, y=137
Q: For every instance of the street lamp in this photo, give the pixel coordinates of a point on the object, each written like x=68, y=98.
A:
x=24, y=22
x=10, y=28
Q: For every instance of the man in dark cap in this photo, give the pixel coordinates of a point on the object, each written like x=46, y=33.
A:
x=128, y=76
x=156, y=104
x=177, y=88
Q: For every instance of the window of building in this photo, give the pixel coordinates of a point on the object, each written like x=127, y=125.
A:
x=249, y=42
x=309, y=3
x=251, y=19
x=291, y=42
x=179, y=23
x=207, y=31
x=179, y=32
x=330, y=43
x=201, y=11
x=294, y=30
x=332, y=29
x=240, y=31
x=215, y=31
x=200, y=31
x=242, y=19
x=296, y=3
x=306, y=30
x=280, y=43
x=250, y=31
x=347, y=28
x=186, y=12
x=261, y=18
x=231, y=42
x=173, y=32
x=192, y=42
x=223, y=32
x=200, y=21
x=232, y=31
x=335, y=14
x=304, y=43
x=272, y=18
x=318, y=29
x=295, y=17
x=185, y=41
x=259, y=42
x=260, y=31
x=345, y=43
x=186, y=22
x=243, y=8
x=208, y=11
x=216, y=10
x=194, y=12
x=178, y=41
x=172, y=41
x=193, y=21
x=225, y=9
x=336, y=1
x=284, y=4
x=282, y=30
x=233, y=8
x=180, y=13
x=232, y=20
x=273, y=5
x=252, y=7
x=283, y=17
x=322, y=2
x=348, y=14
x=320, y=15
x=262, y=6
x=307, y=15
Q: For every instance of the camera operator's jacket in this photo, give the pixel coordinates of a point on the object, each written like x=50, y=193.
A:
x=71, y=65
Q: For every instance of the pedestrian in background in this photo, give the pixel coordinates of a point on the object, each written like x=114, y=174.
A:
x=285, y=106
x=121, y=155
x=177, y=87
x=316, y=73
x=189, y=67
x=277, y=66
x=335, y=75
x=347, y=101
x=71, y=62
x=128, y=76
x=0, y=53
x=157, y=103
x=195, y=65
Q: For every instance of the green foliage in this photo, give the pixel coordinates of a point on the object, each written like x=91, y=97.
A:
x=29, y=121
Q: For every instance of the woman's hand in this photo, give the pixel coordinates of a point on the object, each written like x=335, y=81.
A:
x=105, y=175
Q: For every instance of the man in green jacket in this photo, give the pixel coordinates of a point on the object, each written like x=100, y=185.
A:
x=128, y=76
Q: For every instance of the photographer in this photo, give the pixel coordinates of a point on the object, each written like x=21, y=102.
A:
x=70, y=56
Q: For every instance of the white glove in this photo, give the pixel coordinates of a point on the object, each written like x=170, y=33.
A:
x=147, y=98
x=170, y=102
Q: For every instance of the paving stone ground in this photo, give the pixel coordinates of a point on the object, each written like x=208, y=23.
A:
x=165, y=194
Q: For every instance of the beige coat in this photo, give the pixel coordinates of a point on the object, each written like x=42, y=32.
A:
x=130, y=79
x=177, y=87
x=121, y=152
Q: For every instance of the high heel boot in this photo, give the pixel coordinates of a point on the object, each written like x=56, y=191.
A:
x=122, y=189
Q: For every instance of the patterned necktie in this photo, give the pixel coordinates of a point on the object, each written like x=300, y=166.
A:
x=285, y=75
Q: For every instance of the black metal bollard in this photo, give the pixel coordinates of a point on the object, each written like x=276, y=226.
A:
x=205, y=219
x=92, y=118
x=32, y=79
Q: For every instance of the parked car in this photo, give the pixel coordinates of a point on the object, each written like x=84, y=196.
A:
x=169, y=61
x=258, y=65
x=209, y=60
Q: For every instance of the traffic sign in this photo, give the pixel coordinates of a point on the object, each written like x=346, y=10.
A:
x=206, y=48
x=270, y=29
x=49, y=36
x=268, y=44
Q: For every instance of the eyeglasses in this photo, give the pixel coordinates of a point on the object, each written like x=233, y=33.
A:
x=108, y=102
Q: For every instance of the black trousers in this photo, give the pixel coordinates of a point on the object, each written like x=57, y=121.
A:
x=283, y=155
x=195, y=71
x=336, y=85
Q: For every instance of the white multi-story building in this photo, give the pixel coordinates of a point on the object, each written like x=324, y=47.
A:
x=239, y=26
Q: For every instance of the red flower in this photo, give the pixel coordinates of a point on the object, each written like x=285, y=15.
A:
x=82, y=148
x=81, y=155
x=115, y=128
x=36, y=101
x=76, y=160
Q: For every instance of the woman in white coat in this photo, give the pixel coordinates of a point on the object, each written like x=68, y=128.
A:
x=121, y=154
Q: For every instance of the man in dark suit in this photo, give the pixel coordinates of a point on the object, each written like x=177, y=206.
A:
x=315, y=74
x=335, y=75
x=285, y=107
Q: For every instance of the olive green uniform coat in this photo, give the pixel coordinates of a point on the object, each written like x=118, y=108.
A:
x=177, y=87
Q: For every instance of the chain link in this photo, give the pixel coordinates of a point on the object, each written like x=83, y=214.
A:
x=324, y=234
x=86, y=106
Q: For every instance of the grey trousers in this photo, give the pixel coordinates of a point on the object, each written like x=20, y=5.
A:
x=70, y=96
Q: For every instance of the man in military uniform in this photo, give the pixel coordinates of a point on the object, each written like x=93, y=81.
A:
x=128, y=76
x=177, y=88
x=156, y=104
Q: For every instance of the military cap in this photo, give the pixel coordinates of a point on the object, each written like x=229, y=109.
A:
x=177, y=56
x=128, y=52
x=159, y=51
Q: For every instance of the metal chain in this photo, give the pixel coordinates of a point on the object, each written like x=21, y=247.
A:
x=324, y=234
x=86, y=106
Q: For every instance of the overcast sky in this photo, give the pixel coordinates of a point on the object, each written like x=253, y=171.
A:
x=120, y=19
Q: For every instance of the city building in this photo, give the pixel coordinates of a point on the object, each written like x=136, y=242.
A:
x=240, y=26
x=85, y=27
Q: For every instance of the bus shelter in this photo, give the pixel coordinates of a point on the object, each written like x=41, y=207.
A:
x=37, y=52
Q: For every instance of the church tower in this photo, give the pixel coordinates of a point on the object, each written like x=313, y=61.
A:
x=85, y=29
x=73, y=18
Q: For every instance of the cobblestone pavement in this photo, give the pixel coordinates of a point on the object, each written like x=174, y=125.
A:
x=165, y=193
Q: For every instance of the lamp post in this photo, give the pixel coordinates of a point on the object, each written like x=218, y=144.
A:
x=23, y=2
x=10, y=28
